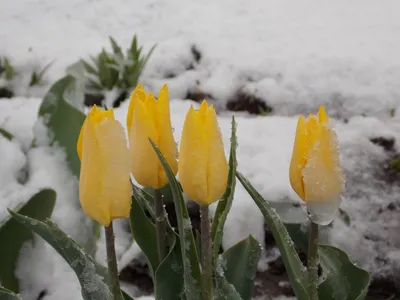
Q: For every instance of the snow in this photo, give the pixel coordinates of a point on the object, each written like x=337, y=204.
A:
x=344, y=52
x=343, y=55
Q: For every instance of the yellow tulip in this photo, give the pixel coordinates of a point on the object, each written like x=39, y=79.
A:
x=149, y=118
x=203, y=168
x=315, y=172
x=104, y=186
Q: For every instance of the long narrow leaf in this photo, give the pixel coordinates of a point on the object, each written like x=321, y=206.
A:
x=92, y=277
x=192, y=276
x=169, y=277
x=296, y=271
x=116, y=48
x=13, y=235
x=225, y=204
x=144, y=232
x=224, y=290
x=6, y=134
x=8, y=295
x=240, y=263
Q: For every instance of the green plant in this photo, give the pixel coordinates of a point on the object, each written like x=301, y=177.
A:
x=394, y=165
x=12, y=234
x=177, y=273
x=116, y=70
x=37, y=75
x=6, y=68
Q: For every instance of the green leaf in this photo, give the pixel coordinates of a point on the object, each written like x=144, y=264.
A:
x=126, y=296
x=14, y=235
x=225, y=204
x=92, y=277
x=146, y=200
x=166, y=192
x=344, y=216
x=296, y=271
x=37, y=77
x=144, y=231
x=240, y=263
x=89, y=68
x=6, y=134
x=8, y=295
x=289, y=212
x=133, y=48
x=63, y=119
x=9, y=69
x=191, y=266
x=224, y=290
x=169, y=277
x=344, y=280
x=116, y=48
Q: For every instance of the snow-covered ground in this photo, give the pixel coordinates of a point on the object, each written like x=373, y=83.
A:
x=295, y=55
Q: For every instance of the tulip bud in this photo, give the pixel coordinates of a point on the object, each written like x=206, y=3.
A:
x=315, y=172
x=203, y=168
x=149, y=118
x=104, y=185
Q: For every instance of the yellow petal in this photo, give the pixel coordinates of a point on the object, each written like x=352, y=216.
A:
x=140, y=87
x=202, y=112
x=117, y=161
x=299, y=157
x=217, y=165
x=322, y=115
x=79, y=144
x=193, y=158
x=137, y=95
x=144, y=159
x=104, y=187
x=322, y=175
x=97, y=115
x=166, y=141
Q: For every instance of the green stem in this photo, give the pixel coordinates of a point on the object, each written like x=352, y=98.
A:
x=112, y=263
x=312, y=264
x=160, y=224
x=206, y=274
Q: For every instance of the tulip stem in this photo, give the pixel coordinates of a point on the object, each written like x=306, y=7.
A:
x=312, y=263
x=112, y=263
x=160, y=225
x=206, y=253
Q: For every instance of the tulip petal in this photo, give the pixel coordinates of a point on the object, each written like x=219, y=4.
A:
x=166, y=142
x=217, y=165
x=322, y=115
x=322, y=175
x=79, y=144
x=90, y=183
x=104, y=187
x=193, y=158
x=97, y=116
x=323, y=213
x=137, y=95
x=299, y=157
x=116, y=186
x=144, y=159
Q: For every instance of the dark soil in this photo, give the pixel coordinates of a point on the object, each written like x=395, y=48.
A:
x=242, y=101
x=94, y=99
x=198, y=95
x=6, y=93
